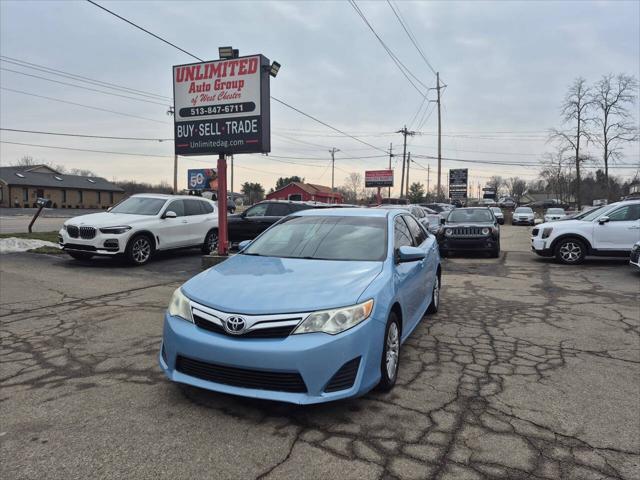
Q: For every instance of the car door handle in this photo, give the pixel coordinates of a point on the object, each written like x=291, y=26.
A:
x=185, y=221
x=634, y=228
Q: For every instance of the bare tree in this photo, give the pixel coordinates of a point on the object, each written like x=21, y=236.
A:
x=517, y=186
x=574, y=111
x=557, y=172
x=25, y=161
x=612, y=97
x=353, y=187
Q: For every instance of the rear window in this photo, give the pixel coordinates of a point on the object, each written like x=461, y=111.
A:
x=278, y=210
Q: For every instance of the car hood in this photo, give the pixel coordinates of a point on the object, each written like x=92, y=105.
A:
x=264, y=285
x=107, y=219
x=469, y=224
x=566, y=223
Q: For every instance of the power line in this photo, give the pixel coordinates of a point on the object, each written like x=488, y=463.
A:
x=80, y=105
x=39, y=132
x=410, y=35
x=86, y=150
x=491, y=162
x=401, y=66
x=84, y=88
x=73, y=76
x=198, y=58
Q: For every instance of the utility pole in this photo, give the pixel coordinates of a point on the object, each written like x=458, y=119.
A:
x=175, y=174
x=390, y=156
x=333, y=166
x=404, y=133
x=408, y=164
x=233, y=202
x=428, y=175
x=439, y=139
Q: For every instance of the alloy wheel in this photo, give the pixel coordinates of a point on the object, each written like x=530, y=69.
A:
x=436, y=293
x=141, y=250
x=570, y=252
x=393, y=349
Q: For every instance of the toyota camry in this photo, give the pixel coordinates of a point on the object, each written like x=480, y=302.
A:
x=315, y=309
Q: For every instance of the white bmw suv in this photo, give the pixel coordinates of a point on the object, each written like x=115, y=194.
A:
x=610, y=230
x=141, y=225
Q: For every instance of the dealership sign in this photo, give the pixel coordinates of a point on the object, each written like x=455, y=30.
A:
x=458, y=183
x=222, y=106
x=202, y=179
x=378, y=178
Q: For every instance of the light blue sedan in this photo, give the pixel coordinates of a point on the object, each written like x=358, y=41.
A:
x=313, y=310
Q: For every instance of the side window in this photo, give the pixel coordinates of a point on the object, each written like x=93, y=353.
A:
x=176, y=206
x=416, y=230
x=278, y=210
x=417, y=212
x=626, y=213
x=206, y=207
x=259, y=210
x=401, y=234
x=192, y=207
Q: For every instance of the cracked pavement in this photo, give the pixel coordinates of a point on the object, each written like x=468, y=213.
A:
x=531, y=370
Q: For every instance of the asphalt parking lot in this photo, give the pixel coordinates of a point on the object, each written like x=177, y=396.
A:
x=530, y=370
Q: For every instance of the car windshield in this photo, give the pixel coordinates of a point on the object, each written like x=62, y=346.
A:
x=463, y=215
x=523, y=210
x=324, y=238
x=556, y=211
x=140, y=206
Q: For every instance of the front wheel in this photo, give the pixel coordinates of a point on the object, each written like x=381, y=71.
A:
x=139, y=250
x=435, y=296
x=570, y=251
x=390, y=354
x=210, y=242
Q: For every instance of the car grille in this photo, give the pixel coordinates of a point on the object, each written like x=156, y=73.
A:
x=467, y=232
x=242, y=377
x=344, y=378
x=79, y=246
x=87, y=233
x=272, y=332
x=73, y=231
x=534, y=232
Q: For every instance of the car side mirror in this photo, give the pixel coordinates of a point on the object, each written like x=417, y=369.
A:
x=170, y=214
x=443, y=221
x=603, y=220
x=407, y=254
x=243, y=244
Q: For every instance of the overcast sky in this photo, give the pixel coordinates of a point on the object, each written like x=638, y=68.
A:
x=506, y=66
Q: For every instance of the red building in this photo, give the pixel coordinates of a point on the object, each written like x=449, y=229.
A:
x=307, y=192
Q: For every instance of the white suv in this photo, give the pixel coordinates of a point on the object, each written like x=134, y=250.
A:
x=610, y=230
x=141, y=225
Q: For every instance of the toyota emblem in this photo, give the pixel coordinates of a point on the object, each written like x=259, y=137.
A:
x=234, y=325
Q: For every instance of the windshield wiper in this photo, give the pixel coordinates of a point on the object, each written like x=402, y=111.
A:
x=252, y=254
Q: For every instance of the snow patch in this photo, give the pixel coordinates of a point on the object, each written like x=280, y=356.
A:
x=12, y=244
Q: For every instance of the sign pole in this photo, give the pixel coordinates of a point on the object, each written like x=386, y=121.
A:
x=379, y=197
x=175, y=174
x=223, y=249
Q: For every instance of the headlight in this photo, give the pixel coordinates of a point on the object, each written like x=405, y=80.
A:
x=336, y=321
x=64, y=227
x=116, y=230
x=635, y=248
x=179, y=306
x=448, y=232
x=546, y=232
x=485, y=231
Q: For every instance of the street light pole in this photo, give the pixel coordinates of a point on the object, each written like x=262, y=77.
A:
x=333, y=166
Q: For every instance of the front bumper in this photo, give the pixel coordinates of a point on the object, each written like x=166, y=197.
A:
x=101, y=244
x=541, y=246
x=468, y=244
x=315, y=356
x=528, y=221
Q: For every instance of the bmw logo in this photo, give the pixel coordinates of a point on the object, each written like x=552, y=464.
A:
x=234, y=325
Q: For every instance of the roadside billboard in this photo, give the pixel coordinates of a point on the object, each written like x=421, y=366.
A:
x=222, y=106
x=378, y=178
x=202, y=179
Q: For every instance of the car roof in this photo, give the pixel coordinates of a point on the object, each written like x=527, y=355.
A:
x=346, y=212
x=165, y=196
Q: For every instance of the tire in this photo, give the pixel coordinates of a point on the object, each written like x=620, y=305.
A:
x=495, y=253
x=435, y=297
x=570, y=251
x=210, y=242
x=444, y=253
x=139, y=250
x=389, y=373
x=80, y=255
